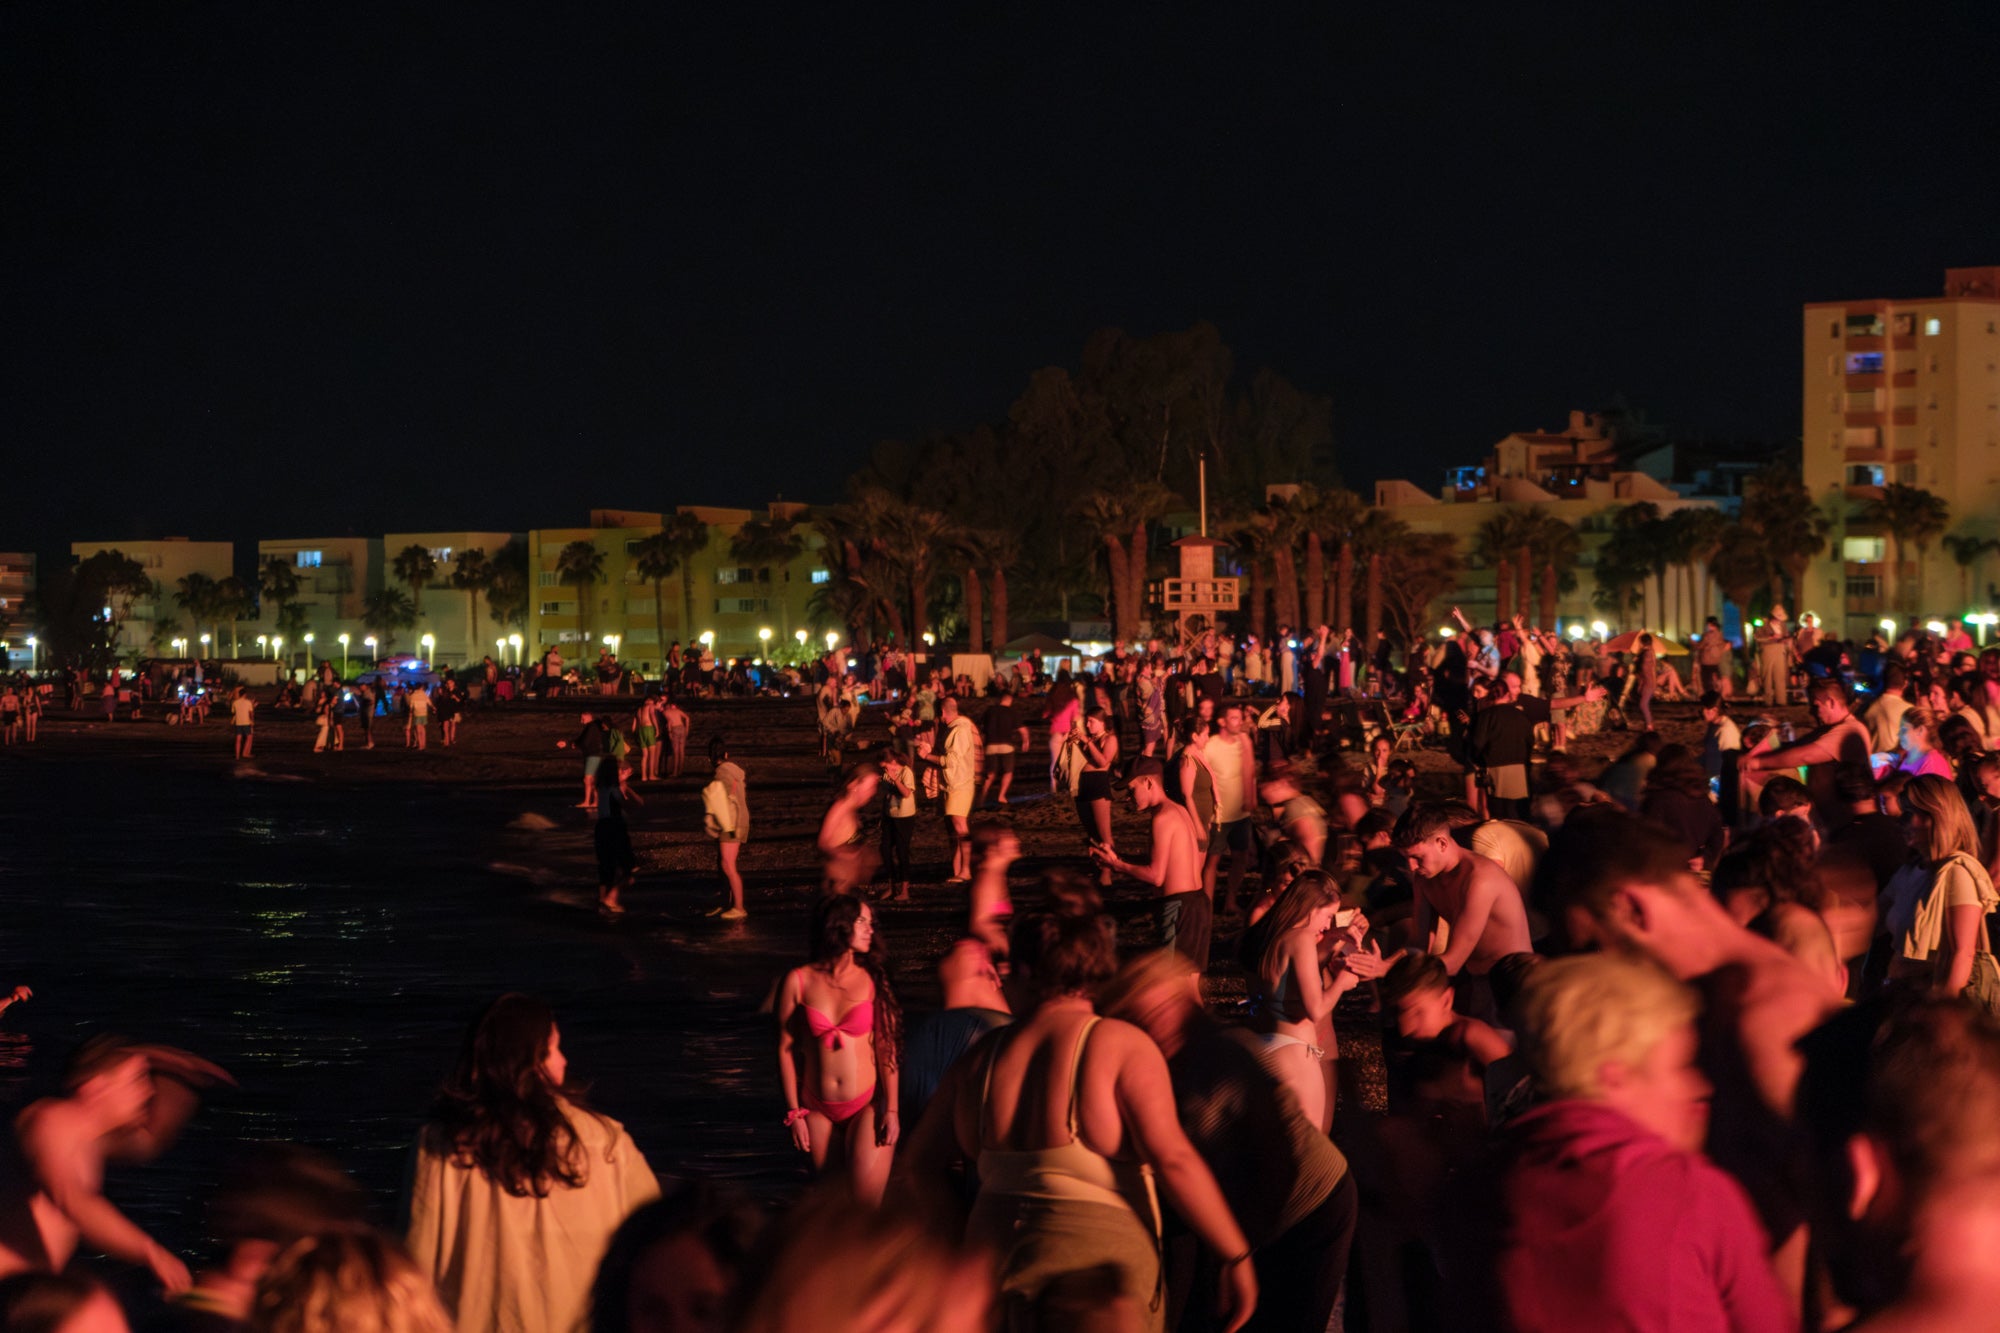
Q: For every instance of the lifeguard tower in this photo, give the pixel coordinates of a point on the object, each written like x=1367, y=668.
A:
x=1197, y=597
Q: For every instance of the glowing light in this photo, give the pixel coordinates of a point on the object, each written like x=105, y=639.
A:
x=764, y=634
x=1446, y=631
x=429, y=642
x=801, y=637
x=204, y=641
x=1576, y=632
x=1600, y=629
x=1934, y=626
x=1887, y=625
x=832, y=639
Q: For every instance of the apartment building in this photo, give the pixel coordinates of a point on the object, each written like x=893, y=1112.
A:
x=17, y=585
x=155, y=617
x=1904, y=391
x=335, y=576
x=1574, y=475
x=716, y=593
x=461, y=624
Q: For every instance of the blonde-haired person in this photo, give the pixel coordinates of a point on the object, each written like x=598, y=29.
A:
x=349, y=1281
x=1937, y=907
x=1599, y=1210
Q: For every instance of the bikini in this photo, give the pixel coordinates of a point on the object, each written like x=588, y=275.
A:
x=856, y=1022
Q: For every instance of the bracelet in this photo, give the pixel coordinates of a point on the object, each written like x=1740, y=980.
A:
x=793, y=1116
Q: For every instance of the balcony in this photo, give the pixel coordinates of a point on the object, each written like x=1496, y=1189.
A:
x=1905, y=379
x=1867, y=379
x=1904, y=416
x=1864, y=342
x=1904, y=342
x=1862, y=417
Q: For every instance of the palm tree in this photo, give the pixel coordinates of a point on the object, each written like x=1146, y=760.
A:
x=278, y=581
x=910, y=539
x=1966, y=551
x=1676, y=549
x=200, y=597
x=579, y=566
x=233, y=600
x=1909, y=514
x=385, y=611
x=1003, y=551
x=507, y=586
x=1250, y=534
x=416, y=566
x=1628, y=557
x=1415, y=573
x=1741, y=564
x=764, y=543
x=1777, y=504
x=1105, y=516
x=655, y=560
x=471, y=574
x=292, y=626
x=1376, y=537
x=1704, y=528
x=1555, y=547
x=975, y=555
x=687, y=537
x=1500, y=543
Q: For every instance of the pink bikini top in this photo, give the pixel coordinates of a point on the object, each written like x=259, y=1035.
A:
x=856, y=1022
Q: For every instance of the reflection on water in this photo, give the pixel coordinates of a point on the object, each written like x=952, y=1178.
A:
x=327, y=947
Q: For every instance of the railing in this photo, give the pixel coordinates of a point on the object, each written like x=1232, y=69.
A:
x=1198, y=594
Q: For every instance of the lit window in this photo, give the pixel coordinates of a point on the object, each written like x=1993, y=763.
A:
x=306, y=559
x=442, y=555
x=822, y=575
x=1864, y=363
x=549, y=578
x=1864, y=474
x=558, y=609
x=1933, y=327
x=1864, y=326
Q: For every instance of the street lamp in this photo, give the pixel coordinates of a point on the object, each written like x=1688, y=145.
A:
x=309, y=649
x=1935, y=626
x=369, y=644
x=515, y=639
x=1576, y=632
x=429, y=642
x=832, y=639
x=1600, y=629
x=204, y=645
x=930, y=639
x=1446, y=631
x=1887, y=626
x=764, y=637
x=263, y=644
x=35, y=656
x=343, y=657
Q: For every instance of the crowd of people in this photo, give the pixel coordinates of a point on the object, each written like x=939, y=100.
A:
x=1705, y=1039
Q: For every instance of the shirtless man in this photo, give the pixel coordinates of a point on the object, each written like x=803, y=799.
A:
x=1186, y=917
x=995, y=847
x=1617, y=881
x=1232, y=766
x=115, y=1105
x=847, y=863
x=1840, y=738
x=673, y=720
x=1468, y=910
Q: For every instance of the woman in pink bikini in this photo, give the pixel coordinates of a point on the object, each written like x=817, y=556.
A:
x=840, y=1034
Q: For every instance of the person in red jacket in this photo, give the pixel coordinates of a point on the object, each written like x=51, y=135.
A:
x=1597, y=1210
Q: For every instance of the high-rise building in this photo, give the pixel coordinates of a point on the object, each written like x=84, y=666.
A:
x=460, y=622
x=1903, y=391
x=17, y=585
x=334, y=576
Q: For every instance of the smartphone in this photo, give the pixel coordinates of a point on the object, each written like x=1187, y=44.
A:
x=1343, y=917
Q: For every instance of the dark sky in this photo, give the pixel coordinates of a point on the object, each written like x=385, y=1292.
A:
x=271, y=271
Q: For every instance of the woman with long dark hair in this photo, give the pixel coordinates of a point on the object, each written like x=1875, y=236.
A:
x=840, y=1039
x=1097, y=745
x=518, y=1185
x=1291, y=996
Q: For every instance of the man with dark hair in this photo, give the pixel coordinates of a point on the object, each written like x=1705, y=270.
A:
x=1904, y=1184
x=1503, y=741
x=1467, y=909
x=1838, y=739
x=1711, y=656
x=1613, y=880
x=1884, y=718
x=1006, y=735
x=1186, y=914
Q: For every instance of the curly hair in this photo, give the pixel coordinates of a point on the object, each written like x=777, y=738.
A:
x=1065, y=945
x=834, y=919
x=499, y=1112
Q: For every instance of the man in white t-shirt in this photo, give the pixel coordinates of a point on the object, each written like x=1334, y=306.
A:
x=243, y=717
x=1232, y=766
x=1884, y=717
x=958, y=762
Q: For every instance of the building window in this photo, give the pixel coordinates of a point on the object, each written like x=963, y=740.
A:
x=442, y=555
x=1906, y=474
x=306, y=559
x=1864, y=474
x=1933, y=327
x=632, y=545
x=1863, y=550
x=1905, y=325
x=1864, y=363
x=1864, y=326
x=738, y=575
x=548, y=579
x=1864, y=587
x=742, y=606
x=822, y=575
x=1833, y=329
x=558, y=609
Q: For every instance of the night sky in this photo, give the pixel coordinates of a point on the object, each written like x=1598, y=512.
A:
x=271, y=271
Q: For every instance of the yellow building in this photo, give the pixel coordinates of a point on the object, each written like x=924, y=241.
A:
x=1572, y=475
x=157, y=617
x=733, y=600
x=17, y=585
x=1903, y=391
x=444, y=612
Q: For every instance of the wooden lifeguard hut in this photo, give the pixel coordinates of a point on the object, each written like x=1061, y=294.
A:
x=1198, y=596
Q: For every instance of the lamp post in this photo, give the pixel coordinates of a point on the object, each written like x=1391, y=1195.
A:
x=309, y=650
x=832, y=639
x=429, y=642
x=35, y=655
x=343, y=657
x=369, y=644
x=764, y=637
x=515, y=639
x=204, y=645
x=263, y=645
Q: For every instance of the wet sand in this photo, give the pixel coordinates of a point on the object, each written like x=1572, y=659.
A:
x=325, y=925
